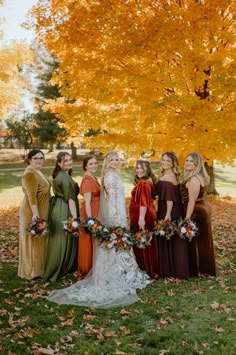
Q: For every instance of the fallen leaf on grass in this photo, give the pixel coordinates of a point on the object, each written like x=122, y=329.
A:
x=170, y=293
x=215, y=305
x=89, y=317
x=184, y=344
x=68, y=323
x=125, y=331
x=123, y=311
x=110, y=334
x=46, y=351
x=218, y=330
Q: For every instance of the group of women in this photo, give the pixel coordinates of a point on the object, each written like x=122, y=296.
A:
x=107, y=277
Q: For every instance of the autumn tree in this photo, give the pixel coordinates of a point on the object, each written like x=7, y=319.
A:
x=48, y=127
x=153, y=75
x=12, y=57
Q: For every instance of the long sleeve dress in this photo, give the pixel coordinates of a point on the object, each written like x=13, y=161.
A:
x=173, y=253
x=142, y=195
x=115, y=276
x=36, y=188
x=85, y=253
x=61, y=250
x=201, y=248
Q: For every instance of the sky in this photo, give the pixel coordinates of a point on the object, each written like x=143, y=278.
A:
x=14, y=12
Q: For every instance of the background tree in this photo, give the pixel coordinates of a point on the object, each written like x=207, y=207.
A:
x=153, y=75
x=21, y=130
x=48, y=128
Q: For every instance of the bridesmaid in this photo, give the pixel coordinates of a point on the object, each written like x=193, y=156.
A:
x=196, y=206
x=173, y=253
x=61, y=251
x=143, y=215
x=90, y=189
x=36, y=188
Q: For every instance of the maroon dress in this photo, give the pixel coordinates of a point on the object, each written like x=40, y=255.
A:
x=201, y=249
x=142, y=195
x=173, y=253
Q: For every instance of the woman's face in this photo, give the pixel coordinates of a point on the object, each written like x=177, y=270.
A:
x=189, y=164
x=37, y=161
x=66, y=163
x=166, y=162
x=92, y=166
x=140, y=171
x=114, y=162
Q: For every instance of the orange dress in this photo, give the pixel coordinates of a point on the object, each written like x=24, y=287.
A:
x=85, y=253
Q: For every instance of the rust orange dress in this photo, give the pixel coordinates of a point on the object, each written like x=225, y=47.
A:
x=142, y=195
x=85, y=254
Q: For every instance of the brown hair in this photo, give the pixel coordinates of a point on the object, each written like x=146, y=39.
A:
x=175, y=163
x=86, y=160
x=148, y=170
x=60, y=157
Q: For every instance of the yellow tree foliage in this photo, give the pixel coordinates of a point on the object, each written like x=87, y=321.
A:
x=12, y=57
x=150, y=74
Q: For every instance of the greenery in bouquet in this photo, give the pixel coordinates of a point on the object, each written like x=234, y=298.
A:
x=142, y=238
x=164, y=228
x=71, y=227
x=187, y=229
x=91, y=225
x=38, y=228
x=115, y=237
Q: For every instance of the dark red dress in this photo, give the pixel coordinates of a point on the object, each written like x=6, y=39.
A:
x=142, y=195
x=201, y=249
x=173, y=253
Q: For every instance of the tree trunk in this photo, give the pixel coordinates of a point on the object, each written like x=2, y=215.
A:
x=211, y=188
x=50, y=150
x=73, y=151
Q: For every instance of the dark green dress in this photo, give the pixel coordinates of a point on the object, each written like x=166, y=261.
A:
x=61, y=250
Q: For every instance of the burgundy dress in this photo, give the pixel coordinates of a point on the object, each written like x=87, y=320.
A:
x=142, y=195
x=201, y=249
x=173, y=253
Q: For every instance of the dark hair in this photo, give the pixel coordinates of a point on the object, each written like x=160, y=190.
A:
x=147, y=168
x=60, y=157
x=32, y=153
x=86, y=160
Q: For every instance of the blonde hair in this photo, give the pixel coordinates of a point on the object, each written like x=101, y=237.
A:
x=199, y=168
x=175, y=163
x=106, y=165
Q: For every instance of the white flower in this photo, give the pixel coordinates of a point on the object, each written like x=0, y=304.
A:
x=32, y=232
x=110, y=245
x=143, y=240
x=183, y=230
x=124, y=238
x=90, y=222
x=162, y=233
x=113, y=236
x=75, y=224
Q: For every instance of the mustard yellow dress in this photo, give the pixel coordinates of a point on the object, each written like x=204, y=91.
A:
x=36, y=188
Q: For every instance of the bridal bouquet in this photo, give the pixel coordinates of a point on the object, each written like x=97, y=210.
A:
x=115, y=237
x=38, y=228
x=187, y=229
x=164, y=228
x=71, y=227
x=142, y=239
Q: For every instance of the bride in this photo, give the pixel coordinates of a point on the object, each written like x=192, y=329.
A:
x=115, y=275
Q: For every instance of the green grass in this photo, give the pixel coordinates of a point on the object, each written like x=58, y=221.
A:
x=196, y=316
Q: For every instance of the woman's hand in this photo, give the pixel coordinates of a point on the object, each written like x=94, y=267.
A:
x=141, y=222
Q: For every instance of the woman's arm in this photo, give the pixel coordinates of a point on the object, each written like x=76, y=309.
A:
x=72, y=208
x=141, y=220
x=193, y=187
x=87, y=202
x=169, y=206
x=31, y=186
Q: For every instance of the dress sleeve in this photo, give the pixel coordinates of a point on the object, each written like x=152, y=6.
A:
x=166, y=191
x=66, y=186
x=87, y=185
x=111, y=183
x=31, y=185
x=143, y=195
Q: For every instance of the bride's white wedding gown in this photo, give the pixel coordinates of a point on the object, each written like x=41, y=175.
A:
x=115, y=276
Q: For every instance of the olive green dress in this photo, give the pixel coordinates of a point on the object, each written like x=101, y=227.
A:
x=36, y=188
x=61, y=249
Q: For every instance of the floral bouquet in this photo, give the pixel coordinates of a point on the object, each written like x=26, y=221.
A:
x=115, y=237
x=187, y=229
x=164, y=228
x=38, y=228
x=142, y=239
x=71, y=227
x=91, y=225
